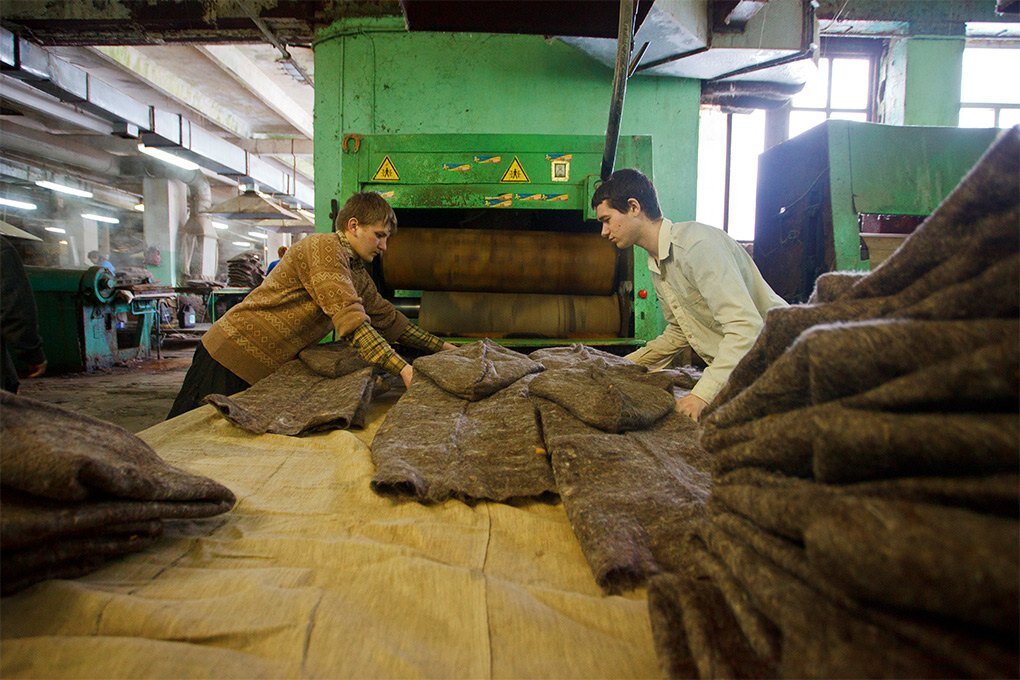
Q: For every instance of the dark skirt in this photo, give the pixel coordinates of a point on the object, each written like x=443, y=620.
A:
x=206, y=376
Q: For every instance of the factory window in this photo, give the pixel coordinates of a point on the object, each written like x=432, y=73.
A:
x=987, y=99
x=844, y=87
x=729, y=143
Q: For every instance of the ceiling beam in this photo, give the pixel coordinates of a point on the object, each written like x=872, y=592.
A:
x=167, y=83
x=248, y=74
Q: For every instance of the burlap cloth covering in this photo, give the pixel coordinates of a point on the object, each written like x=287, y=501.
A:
x=863, y=519
x=315, y=575
x=77, y=491
x=326, y=387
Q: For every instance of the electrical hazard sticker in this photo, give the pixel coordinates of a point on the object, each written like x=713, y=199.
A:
x=515, y=173
x=386, y=172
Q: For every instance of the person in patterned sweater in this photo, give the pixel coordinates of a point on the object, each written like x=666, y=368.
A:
x=323, y=284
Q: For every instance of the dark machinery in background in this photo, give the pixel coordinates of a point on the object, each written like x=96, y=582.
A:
x=844, y=194
x=496, y=236
x=86, y=323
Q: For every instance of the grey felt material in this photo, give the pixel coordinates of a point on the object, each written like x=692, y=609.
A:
x=611, y=400
x=333, y=360
x=476, y=370
x=77, y=490
x=865, y=464
x=295, y=400
x=631, y=498
x=434, y=445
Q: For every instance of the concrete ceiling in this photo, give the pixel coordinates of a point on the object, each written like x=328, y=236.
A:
x=229, y=71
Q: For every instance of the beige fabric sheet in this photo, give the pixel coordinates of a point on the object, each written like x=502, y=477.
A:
x=313, y=575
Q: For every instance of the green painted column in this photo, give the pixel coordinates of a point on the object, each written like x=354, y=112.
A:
x=372, y=76
x=934, y=71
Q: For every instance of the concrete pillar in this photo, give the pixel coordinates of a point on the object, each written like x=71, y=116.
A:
x=273, y=243
x=921, y=84
x=166, y=209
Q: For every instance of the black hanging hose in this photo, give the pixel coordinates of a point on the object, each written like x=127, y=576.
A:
x=624, y=45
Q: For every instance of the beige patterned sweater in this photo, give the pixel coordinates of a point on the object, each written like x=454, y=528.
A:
x=313, y=290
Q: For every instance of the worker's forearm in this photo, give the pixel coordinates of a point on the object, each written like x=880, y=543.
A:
x=374, y=349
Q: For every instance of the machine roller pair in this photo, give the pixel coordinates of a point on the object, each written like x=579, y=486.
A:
x=497, y=237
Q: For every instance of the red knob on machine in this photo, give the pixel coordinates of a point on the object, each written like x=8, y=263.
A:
x=642, y=293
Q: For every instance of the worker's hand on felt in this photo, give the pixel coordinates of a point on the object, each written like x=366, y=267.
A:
x=405, y=374
x=691, y=406
x=448, y=345
x=35, y=370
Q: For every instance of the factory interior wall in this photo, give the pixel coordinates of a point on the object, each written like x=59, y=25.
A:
x=375, y=77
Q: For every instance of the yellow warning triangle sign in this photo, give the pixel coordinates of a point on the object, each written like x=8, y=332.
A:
x=386, y=172
x=515, y=173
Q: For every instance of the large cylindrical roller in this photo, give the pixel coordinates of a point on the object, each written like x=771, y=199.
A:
x=500, y=315
x=500, y=261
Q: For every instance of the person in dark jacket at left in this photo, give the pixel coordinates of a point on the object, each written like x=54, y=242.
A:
x=19, y=325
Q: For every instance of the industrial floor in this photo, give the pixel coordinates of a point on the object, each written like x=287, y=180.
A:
x=134, y=396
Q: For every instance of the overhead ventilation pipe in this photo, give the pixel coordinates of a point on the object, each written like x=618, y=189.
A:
x=624, y=45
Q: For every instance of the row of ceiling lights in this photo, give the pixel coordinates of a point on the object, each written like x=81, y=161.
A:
x=151, y=151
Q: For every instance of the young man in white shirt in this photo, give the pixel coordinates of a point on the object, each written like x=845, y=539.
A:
x=713, y=297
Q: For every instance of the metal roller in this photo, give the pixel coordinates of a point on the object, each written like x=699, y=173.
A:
x=94, y=283
x=500, y=261
x=500, y=315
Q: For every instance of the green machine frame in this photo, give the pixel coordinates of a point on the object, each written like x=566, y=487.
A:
x=818, y=191
x=497, y=172
x=84, y=327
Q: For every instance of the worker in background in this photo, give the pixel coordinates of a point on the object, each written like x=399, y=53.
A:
x=713, y=297
x=19, y=327
x=324, y=284
x=280, y=252
x=100, y=260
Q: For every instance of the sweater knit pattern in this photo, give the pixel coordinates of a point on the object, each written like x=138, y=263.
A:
x=315, y=288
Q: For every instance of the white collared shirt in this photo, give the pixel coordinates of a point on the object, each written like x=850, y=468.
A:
x=713, y=297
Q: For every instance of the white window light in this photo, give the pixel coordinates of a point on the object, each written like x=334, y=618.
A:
x=220, y=225
x=168, y=157
x=53, y=186
x=242, y=243
x=56, y=230
x=100, y=218
x=140, y=207
x=11, y=203
x=257, y=234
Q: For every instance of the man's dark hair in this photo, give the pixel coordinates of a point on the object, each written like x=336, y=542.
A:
x=369, y=208
x=281, y=251
x=626, y=184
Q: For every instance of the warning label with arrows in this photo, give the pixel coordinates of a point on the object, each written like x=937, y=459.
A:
x=386, y=172
x=515, y=173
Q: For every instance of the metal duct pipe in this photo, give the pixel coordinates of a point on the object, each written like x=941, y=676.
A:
x=624, y=44
x=32, y=144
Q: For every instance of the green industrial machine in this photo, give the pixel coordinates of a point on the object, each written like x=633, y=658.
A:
x=497, y=236
x=83, y=322
x=822, y=193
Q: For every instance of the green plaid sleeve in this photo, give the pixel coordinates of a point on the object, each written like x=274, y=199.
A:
x=374, y=349
x=415, y=336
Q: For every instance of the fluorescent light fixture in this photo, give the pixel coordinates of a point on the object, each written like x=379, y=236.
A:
x=256, y=234
x=220, y=225
x=100, y=218
x=242, y=243
x=11, y=203
x=56, y=230
x=62, y=242
x=53, y=186
x=140, y=207
x=168, y=157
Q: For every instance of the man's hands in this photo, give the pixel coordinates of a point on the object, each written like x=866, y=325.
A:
x=405, y=374
x=691, y=406
x=448, y=345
